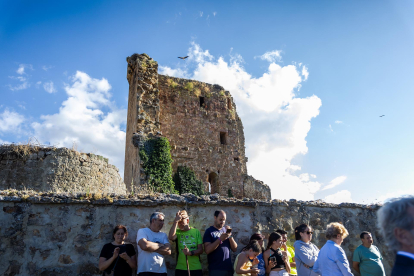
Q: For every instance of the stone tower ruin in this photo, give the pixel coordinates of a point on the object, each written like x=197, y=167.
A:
x=200, y=122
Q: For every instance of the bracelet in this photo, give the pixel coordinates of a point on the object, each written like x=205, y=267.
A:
x=220, y=241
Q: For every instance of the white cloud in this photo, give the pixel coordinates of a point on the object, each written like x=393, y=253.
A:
x=305, y=72
x=49, y=87
x=23, y=83
x=201, y=14
x=46, y=68
x=339, y=197
x=330, y=128
x=22, y=67
x=179, y=73
x=10, y=121
x=335, y=182
x=338, y=122
x=276, y=122
x=272, y=56
x=86, y=117
x=214, y=13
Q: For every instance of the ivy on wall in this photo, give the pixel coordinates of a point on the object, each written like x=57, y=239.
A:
x=156, y=159
x=186, y=181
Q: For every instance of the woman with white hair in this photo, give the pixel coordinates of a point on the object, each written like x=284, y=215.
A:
x=332, y=260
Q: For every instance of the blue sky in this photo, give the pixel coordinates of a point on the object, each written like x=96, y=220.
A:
x=331, y=69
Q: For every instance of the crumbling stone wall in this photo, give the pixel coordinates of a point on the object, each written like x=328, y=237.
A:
x=199, y=120
x=57, y=169
x=143, y=114
x=255, y=188
x=55, y=234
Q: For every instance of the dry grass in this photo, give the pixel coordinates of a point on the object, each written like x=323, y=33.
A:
x=25, y=149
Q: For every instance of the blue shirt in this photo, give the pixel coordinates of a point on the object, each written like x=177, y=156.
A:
x=332, y=261
x=220, y=258
x=261, y=265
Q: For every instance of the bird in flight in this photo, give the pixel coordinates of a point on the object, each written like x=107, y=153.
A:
x=183, y=57
x=382, y=116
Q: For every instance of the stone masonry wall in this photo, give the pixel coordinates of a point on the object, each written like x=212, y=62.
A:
x=58, y=234
x=143, y=113
x=255, y=188
x=199, y=120
x=203, y=127
x=57, y=170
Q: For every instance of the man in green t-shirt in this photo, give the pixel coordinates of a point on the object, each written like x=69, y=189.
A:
x=367, y=258
x=189, y=245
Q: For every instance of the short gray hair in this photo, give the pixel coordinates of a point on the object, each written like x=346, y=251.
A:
x=394, y=215
x=155, y=216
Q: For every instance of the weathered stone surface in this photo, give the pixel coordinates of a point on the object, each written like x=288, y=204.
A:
x=199, y=120
x=57, y=170
x=61, y=237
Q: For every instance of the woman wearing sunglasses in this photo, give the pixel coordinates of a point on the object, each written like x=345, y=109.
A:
x=306, y=252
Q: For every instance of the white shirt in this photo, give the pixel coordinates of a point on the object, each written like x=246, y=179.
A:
x=151, y=261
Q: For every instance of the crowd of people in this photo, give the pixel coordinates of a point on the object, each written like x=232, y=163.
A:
x=278, y=258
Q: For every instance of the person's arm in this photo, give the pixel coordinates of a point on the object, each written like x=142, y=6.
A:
x=293, y=262
x=196, y=252
x=355, y=265
x=131, y=261
x=172, y=234
x=211, y=246
x=104, y=263
x=286, y=260
x=316, y=267
x=149, y=246
x=268, y=263
x=342, y=262
x=233, y=244
x=306, y=255
x=164, y=250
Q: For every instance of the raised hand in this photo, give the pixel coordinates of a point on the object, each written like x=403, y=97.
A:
x=116, y=252
x=272, y=263
x=178, y=216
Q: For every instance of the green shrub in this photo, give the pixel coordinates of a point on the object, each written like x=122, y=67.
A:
x=186, y=181
x=189, y=86
x=156, y=158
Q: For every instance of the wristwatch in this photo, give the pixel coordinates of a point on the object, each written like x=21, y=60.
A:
x=192, y=253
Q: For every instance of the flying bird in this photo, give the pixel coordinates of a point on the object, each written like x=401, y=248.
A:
x=382, y=116
x=183, y=57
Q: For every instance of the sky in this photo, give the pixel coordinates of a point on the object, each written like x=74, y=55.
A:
x=310, y=80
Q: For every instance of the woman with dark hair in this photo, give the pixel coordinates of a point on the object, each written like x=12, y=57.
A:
x=276, y=260
x=306, y=252
x=117, y=256
x=261, y=265
x=243, y=265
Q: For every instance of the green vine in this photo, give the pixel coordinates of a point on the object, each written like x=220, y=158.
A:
x=186, y=181
x=156, y=159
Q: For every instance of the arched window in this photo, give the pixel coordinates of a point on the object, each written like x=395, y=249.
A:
x=213, y=180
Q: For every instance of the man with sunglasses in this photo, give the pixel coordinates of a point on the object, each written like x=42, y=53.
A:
x=153, y=245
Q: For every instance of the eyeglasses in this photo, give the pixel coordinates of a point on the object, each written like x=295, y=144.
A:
x=309, y=232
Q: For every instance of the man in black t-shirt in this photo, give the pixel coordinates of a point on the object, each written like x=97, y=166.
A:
x=217, y=244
